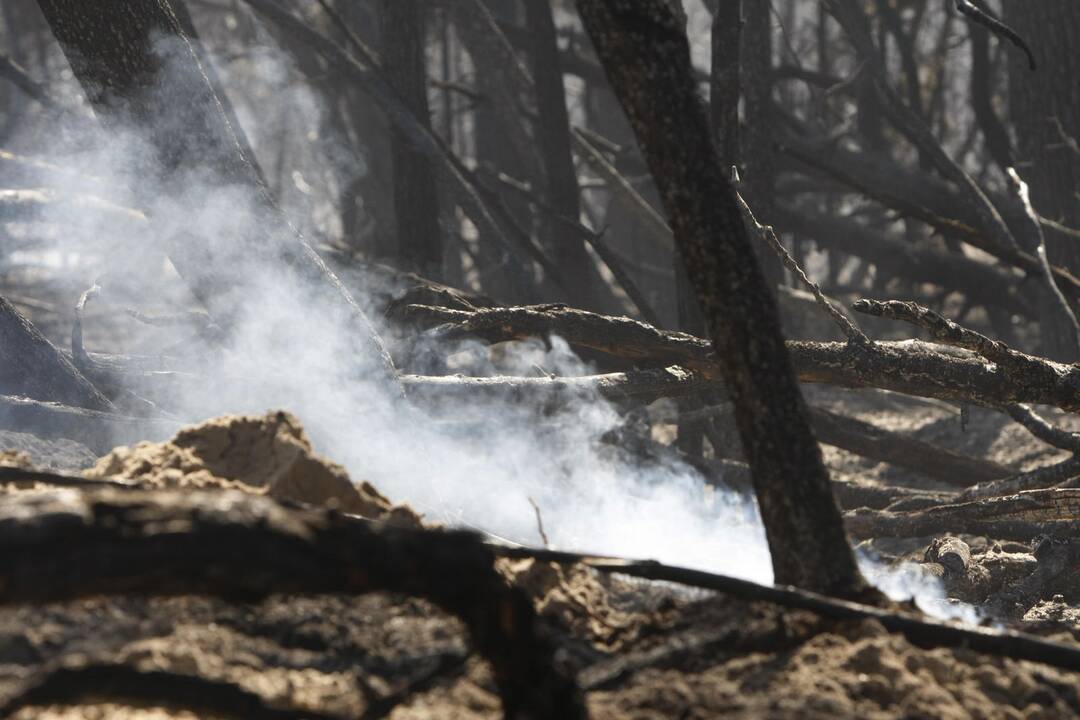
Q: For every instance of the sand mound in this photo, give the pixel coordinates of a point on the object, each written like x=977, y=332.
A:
x=270, y=454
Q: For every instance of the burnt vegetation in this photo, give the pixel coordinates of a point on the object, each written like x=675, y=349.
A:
x=816, y=259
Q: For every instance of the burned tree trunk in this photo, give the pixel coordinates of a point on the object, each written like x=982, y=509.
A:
x=1045, y=112
x=646, y=54
x=552, y=132
x=755, y=78
x=138, y=67
x=31, y=366
x=416, y=201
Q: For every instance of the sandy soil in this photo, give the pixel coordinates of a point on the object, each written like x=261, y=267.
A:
x=640, y=650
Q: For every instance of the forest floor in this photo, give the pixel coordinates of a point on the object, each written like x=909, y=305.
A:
x=638, y=649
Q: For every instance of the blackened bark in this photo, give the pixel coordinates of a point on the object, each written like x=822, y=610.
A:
x=646, y=54
x=416, y=201
x=724, y=93
x=994, y=133
x=1044, y=105
x=552, y=131
x=758, y=154
x=138, y=67
x=726, y=79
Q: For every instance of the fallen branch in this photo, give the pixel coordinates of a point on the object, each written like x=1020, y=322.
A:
x=901, y=450
x=909, y=367
x=1038, y=479
x=66, y=545
x=1021, y=517
x=98, y=431
x=980, y=282
x=920, y=631
x=875, y=443
x=1040, y=428
x=25, y=478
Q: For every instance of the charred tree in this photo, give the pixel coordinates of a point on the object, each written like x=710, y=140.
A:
x=645, y=52
x=724, y=91
x=552, y=131
x=759, y=163
x=416, y=201
x=140, y=68
x=1044, y=108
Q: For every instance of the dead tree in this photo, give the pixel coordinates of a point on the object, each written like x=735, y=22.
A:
x=416, y=200
x=644, y=49
x=755, y=79
x=137, y=65
x=1045, y=112
x=552, y=133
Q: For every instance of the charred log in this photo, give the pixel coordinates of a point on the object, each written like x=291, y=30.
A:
x=65, y=545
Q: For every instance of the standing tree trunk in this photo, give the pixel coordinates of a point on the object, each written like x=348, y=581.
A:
x=758, y=158
x=645, y=52
x=138, y=67
x=416, y=201
x=724, y=84
x=1045, y=111
x=552, y=131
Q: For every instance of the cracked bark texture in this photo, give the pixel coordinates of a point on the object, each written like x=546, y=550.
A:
x=644, y=49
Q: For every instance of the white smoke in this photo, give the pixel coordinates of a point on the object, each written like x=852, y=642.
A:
x=479, y=465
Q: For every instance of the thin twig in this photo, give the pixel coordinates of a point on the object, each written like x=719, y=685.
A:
x=12, y=71
x=595, y=240
x=766, y=233
x=1022, y=192
x=78, y=351
x=540, y=523
x=1040, y=428
x=1049, y=476
x=1069, y=141
x=941, y=328
x=995, y=26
